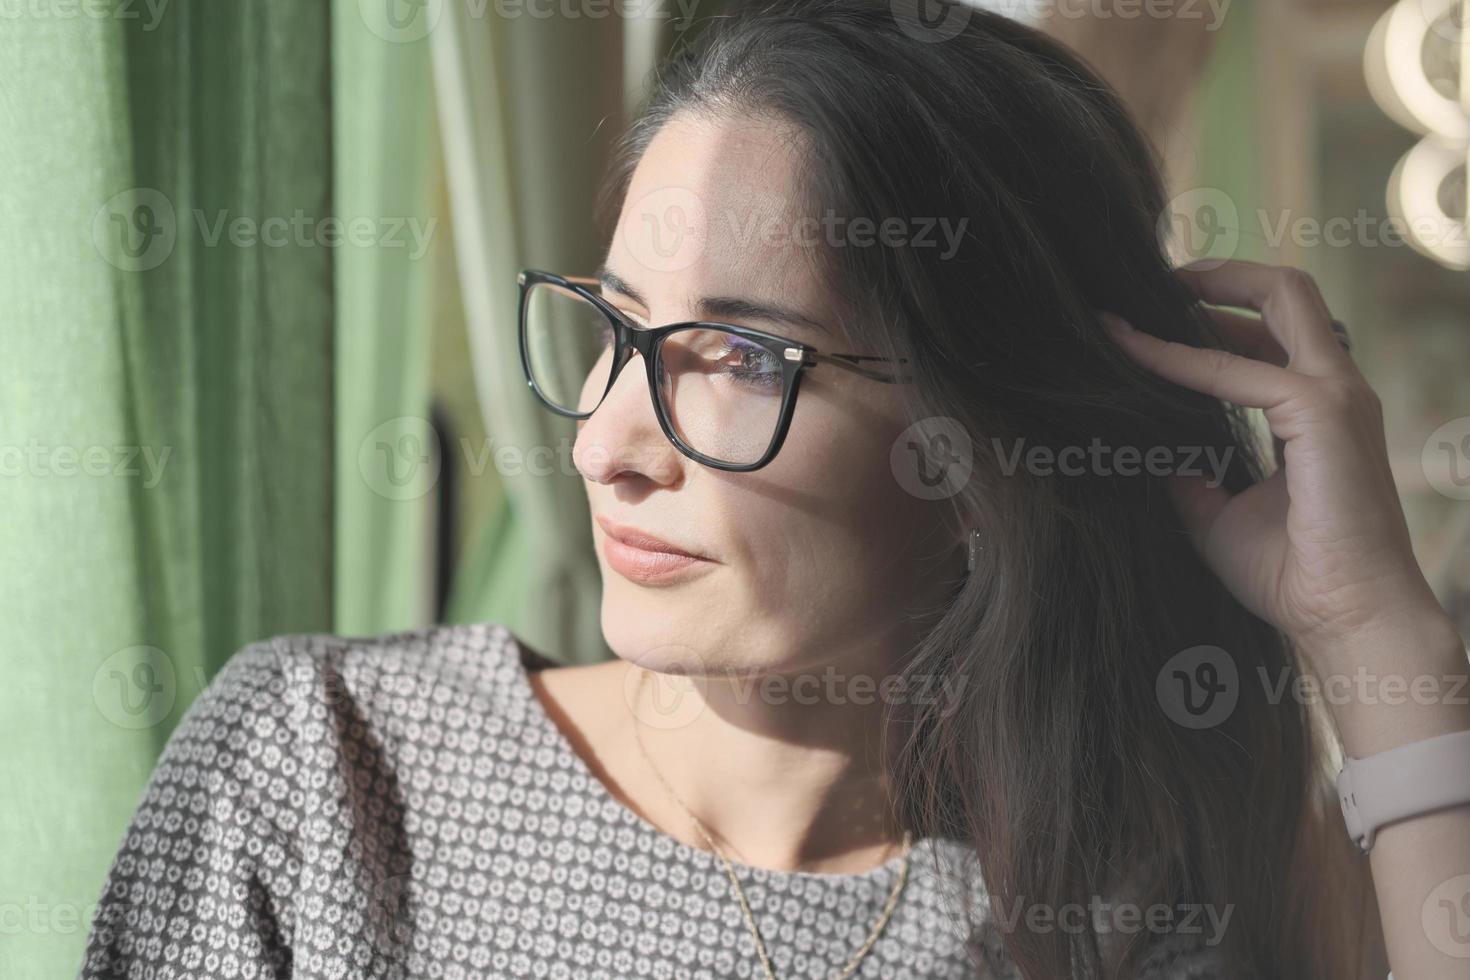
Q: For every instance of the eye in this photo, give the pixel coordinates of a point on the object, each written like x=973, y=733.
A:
x=749, y=363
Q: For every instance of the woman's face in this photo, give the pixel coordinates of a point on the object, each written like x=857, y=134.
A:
x=813, y=559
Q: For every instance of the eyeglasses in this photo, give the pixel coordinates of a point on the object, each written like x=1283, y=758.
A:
x=723, y=394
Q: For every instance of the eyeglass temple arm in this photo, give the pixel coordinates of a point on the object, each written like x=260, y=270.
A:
x=848, y=362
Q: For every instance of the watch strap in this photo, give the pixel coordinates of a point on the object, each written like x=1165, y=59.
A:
x=1407, y=781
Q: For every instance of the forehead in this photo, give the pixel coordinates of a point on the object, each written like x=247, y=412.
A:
x=715, y=207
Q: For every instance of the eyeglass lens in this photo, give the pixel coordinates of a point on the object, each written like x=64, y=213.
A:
x=721, y=393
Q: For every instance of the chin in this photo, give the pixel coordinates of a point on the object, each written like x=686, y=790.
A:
x=651, y=631
x=670, y=635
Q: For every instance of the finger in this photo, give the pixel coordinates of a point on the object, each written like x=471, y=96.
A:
x=1290, y=304
x=1220, y=533
x=1222, y=374
x=1247, y=336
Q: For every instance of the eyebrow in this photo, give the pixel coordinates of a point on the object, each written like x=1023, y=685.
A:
x=718, y=307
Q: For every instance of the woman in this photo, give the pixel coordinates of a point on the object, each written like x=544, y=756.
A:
x=919, y=672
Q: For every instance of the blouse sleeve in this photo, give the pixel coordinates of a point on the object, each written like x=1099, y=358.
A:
x=202, y=883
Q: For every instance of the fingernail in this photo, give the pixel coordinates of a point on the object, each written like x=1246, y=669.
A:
x=1114, y=323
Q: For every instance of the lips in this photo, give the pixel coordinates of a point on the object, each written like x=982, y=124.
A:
x=634, y=538
x=648, y=560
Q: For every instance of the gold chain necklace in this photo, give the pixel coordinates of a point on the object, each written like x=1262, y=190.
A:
x=760, y=945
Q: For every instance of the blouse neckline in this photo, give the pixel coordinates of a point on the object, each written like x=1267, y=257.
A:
x=528, y=660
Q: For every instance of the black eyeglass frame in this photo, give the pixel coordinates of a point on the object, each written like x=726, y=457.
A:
x=795, y=358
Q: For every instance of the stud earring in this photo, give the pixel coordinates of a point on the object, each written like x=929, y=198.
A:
x=975, y=548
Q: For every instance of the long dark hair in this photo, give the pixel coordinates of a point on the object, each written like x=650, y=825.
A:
x=1062, y=766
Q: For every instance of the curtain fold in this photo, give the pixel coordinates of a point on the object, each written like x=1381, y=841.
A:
x=164, y=443
x=389, y=456
x=528, y=109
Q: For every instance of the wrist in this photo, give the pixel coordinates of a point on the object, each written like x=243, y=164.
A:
x=1410, y=680
x=1407, y=628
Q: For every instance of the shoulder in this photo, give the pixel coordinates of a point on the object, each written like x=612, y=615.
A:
x=468, y=652
x=297, y=701
x=291, y=726
x=290, y=760
x=397, y=674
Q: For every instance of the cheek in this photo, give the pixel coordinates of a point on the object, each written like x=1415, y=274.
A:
x=835, y=507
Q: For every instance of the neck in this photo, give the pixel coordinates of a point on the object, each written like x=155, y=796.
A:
x=781, y=773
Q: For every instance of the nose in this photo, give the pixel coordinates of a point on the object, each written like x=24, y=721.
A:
x=622, y=438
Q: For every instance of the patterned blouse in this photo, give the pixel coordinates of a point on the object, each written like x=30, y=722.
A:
x=404, y=806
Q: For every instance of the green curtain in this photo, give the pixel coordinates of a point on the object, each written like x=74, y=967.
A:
x=165, y=441
x=389, y=457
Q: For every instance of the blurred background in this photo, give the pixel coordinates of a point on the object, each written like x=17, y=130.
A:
x=257, y=324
